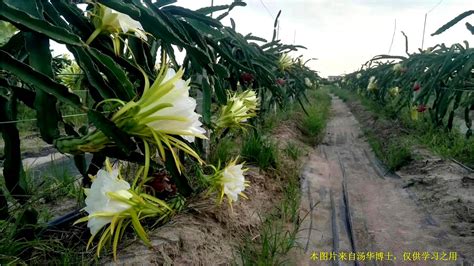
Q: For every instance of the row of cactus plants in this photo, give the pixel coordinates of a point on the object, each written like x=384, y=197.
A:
x=138, y=112
x=437, y=82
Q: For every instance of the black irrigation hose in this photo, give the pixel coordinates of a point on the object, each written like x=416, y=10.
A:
x=451, y=159
x=65, y=219
x=62, y=222
x=347, y=209
x=381, y=169
x=335, y=235
x=462, y=165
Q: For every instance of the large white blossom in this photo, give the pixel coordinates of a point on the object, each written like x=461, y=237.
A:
x=233, y=181
x=112, y=203
x=179, y=118
x=308, y=82
x=99, y=205
x=164, y=112
x=228, y=182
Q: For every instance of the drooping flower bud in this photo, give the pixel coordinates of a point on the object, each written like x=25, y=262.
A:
x=414, y=113
x=71, y=76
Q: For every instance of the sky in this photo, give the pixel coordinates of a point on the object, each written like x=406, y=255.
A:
x=344, y=34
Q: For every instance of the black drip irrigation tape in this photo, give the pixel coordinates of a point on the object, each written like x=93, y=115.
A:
x=381, y=169
x=62, y=222
x=348, y=215
x=463, y=165
x=452, y=159
x=65, y=219
x=335, y=235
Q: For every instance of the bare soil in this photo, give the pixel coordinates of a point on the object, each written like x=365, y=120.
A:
x=354, y=205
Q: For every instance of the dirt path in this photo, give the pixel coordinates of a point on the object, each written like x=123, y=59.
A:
x=360, y=209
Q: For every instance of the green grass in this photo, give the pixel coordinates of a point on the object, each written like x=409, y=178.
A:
x=395, y=154
x=313, y=123
x=53, y=183
x=293, y=151
x=273, y=119
x=48, y=185
x=21, y=245
x=19, y=241
x=345, y=95
x=447, y=144
x=259, y=150
x=225, y=150
x=398, y=155
x=278, y=231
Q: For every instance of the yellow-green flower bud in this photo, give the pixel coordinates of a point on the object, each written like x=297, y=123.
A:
x=394, y=92
x=239, y=108
x=372, y=86
x=285, y=62
x=109, y=21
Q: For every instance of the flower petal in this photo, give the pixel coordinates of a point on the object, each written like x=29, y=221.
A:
x=96, y=223
x=98, y=201
x=183, y=106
